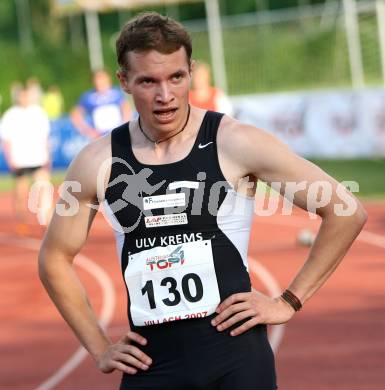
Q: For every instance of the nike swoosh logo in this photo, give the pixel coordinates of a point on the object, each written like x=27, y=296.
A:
x=203, y=146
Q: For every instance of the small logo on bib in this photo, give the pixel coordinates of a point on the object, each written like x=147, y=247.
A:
x=166, y=261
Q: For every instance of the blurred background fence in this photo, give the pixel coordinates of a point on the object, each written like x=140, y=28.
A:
x=294, y=48
x=300, y=47
x=282, y=49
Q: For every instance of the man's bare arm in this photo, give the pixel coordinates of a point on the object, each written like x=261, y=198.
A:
x=274, y=162
x=259, y=154
x=65, y=237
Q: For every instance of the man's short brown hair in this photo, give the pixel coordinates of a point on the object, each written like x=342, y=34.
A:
x=151, y=31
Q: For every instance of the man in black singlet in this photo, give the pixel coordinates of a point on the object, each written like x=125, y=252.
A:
x=177, y=186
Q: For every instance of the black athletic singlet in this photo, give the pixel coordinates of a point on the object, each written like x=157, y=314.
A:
x=182, y=235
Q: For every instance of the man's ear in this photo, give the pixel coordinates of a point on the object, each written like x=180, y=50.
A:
x=191, y=70
x=192, y=66
x=123, y=80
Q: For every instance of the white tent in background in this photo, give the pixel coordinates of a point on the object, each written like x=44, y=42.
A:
x=91, y=8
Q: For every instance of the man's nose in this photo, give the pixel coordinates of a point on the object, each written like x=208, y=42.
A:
x=164, y=94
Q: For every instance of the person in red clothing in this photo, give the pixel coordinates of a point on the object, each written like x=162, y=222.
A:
x=204, y=95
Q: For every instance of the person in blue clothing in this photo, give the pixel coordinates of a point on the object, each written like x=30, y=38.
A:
x=101, y=109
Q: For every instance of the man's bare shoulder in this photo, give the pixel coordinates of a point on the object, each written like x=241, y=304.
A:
x=235, y=133
x=92, y=164
x=235, y=136
x=248, y=147
x=94, y=154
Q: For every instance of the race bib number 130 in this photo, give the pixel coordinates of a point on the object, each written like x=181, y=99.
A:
x=171, y=283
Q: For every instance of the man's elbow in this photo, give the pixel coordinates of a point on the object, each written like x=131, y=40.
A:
x=360, y=216
x=47, y=267
x=42, y=264
x=357, y=219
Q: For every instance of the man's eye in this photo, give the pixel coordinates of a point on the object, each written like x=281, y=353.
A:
x=177, y=77
x=147, y=81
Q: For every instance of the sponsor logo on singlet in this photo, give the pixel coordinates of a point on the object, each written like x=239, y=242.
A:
x=165, y=220
x=164, y=201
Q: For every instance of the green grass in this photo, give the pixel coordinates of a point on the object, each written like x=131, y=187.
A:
x=369, y=174
x=6, y=183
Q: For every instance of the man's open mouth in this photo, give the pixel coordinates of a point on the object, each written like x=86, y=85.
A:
x=165, y=114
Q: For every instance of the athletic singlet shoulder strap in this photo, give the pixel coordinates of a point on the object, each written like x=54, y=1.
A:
x=210, y=127
x=204, y=156
x=120, y=139
x=206, y=139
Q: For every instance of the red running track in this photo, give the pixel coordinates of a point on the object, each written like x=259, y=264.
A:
x=336, y=342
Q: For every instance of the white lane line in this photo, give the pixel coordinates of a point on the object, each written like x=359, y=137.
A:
x=107, y=311
x=372, y=238
x=263, y=274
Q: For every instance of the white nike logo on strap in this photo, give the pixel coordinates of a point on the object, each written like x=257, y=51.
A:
x=203, y=146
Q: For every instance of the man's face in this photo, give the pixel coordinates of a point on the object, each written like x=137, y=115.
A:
x=159, y=84
x=23, y=98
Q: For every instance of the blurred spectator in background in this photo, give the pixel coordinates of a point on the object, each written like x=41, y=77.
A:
x=204, y=95
x=24, y=133
x=14, y=90
x=53, y=102
x=35, y=91
x=101, y=109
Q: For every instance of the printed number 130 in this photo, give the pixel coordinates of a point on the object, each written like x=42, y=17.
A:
x=148, y=289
